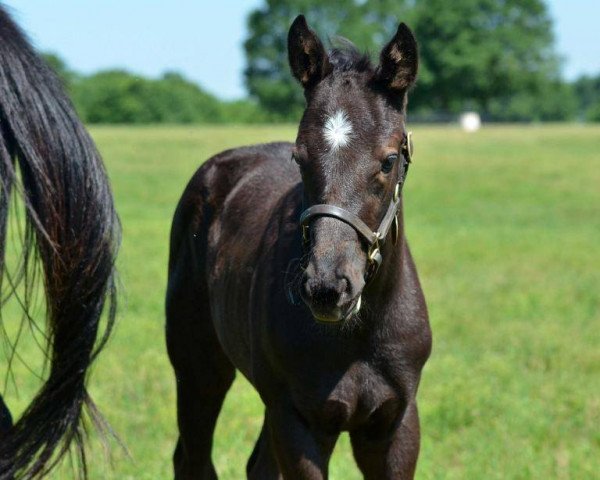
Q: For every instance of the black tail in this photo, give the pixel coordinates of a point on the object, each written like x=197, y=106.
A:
x=72, y=229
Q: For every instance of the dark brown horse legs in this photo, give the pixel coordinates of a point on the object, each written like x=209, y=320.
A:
x=262, y=464
x=203, y=372
x=302, y=454
x=382, y=458
x=198, y=409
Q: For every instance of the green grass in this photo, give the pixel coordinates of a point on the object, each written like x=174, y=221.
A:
x=505, y=229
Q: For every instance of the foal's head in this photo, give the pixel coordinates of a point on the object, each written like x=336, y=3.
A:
x=350, y=152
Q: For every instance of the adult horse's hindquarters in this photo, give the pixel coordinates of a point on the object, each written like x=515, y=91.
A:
x=331, y=342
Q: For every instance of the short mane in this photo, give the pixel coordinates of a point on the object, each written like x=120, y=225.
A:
x=346, y=57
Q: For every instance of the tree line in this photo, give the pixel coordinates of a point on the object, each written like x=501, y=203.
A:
x=119, y=96
x=497, y=58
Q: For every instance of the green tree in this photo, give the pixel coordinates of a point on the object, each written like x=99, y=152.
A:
x=483, y=53
x=268, y=79
x=182, y=101
x=243, y=111
x=117, y=96
x=587, y=90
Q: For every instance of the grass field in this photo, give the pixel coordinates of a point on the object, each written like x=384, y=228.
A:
x=505, y=229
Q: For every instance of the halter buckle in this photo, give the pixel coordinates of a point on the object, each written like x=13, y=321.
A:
x=395, y=230
x=374, y=257
x=397, y=192
x=409, y=146
x=374, y=253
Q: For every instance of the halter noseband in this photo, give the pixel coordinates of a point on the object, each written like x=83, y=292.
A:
x=374, y=239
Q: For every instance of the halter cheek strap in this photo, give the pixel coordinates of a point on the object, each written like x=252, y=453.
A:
x=373, y=239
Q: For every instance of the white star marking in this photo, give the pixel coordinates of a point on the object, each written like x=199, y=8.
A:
x=337, y=130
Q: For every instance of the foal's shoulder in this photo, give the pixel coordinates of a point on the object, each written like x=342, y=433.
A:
x=218, y=175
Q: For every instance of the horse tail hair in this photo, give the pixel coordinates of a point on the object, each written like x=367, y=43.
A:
x=71, y=236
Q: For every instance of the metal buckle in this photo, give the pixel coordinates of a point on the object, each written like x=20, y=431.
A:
x=409, y=146
x=374, y=253
x=397, y=192
x=375, y=259
x=395, y=230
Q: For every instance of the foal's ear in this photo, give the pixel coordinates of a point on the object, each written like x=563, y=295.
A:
x=399, y=61
x=307, y=56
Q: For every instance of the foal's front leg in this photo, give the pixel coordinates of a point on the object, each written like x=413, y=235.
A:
x=301, y=452
x=388, y=455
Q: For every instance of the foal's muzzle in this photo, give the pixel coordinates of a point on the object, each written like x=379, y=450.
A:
x=333, y=294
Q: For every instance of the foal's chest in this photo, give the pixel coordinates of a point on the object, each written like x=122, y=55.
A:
x=360, y=397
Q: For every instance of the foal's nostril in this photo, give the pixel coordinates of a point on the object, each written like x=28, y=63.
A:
x=325, y=294
x=346, y=290
x=343, y=285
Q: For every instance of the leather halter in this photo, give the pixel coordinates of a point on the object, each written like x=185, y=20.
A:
x=373, y=239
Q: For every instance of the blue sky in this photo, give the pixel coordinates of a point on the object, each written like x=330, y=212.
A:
x=203, y=39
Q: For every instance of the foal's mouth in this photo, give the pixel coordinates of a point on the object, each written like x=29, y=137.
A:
x=339, y=314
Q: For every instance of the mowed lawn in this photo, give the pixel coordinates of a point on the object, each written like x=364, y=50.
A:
x=504, y=225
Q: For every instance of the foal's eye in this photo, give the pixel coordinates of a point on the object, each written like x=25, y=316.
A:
x=388, y=163
x=295, y=158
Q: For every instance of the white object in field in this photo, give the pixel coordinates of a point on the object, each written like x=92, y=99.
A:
x=470, y=121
